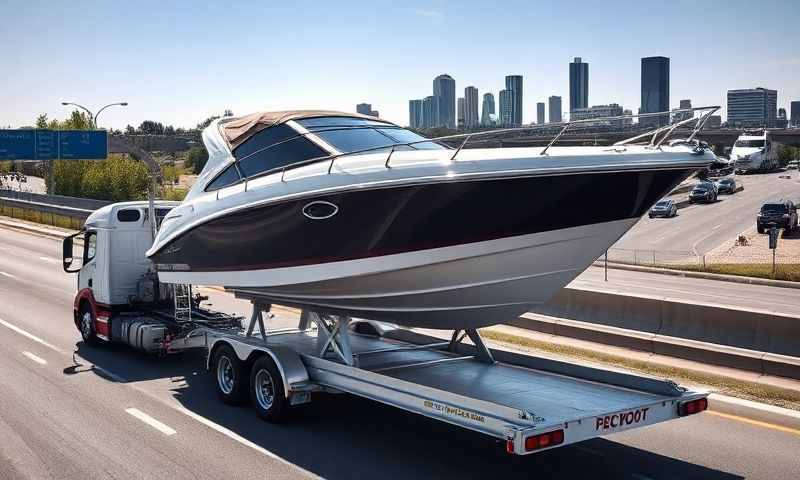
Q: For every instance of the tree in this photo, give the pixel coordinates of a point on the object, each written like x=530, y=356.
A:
x=169, y=130
x=786, y=154
x=129, y=130
x=196, y=159
x=207, y=122
x=41, y=121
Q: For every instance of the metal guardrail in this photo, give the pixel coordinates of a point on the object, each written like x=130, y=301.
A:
x=56, y=210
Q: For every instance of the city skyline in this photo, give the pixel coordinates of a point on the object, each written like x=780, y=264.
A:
x=101, y=56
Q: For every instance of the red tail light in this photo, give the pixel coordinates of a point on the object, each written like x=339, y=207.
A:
x=692, y=407
x=544, y=440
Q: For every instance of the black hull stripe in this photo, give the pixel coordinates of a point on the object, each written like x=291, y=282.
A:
x=385, y=221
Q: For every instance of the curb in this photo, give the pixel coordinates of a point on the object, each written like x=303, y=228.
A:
x=702, y=275
x=47, y=232
x=748, y=409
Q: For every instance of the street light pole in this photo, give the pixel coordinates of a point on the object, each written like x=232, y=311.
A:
x=121, y=104
x=91, y=115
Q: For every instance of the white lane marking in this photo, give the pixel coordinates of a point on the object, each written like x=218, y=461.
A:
x=48, y=259
x=6, y=274
x=29, y=335
x=183, y=410
x=35, y=358
x=150, y=421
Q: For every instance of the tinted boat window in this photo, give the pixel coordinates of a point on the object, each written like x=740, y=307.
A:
x=263, y=139
x=322, y=122
x=280, y=155
x=228, y=177
x=402, y=135
x=356, y=139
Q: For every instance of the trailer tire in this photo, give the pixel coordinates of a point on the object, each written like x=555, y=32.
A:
x=86, y=324
x=266, y=391
x=230, y=374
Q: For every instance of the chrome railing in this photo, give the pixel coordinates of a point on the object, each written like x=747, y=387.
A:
x=564, y=126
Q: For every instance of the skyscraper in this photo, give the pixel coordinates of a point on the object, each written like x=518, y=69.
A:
x=555, y=109
x=506, y=107
x=430, y=112
x=540, y=113
x=782, y=121
x=488, y=109
x=655, y=90
x=470, y=107
x=752, y=107
x=680, y=116
x=578, y=84
x=514, y=84
x=444, y=87
x=794, y=114
x=364, y=108
x=415, y=114
x=460, y=114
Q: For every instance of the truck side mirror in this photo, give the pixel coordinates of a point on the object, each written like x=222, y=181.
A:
x=66, y=254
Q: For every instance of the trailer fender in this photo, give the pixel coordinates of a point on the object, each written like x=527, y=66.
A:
x=291, y=367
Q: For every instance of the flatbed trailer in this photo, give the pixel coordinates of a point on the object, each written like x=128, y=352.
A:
x=532, y=404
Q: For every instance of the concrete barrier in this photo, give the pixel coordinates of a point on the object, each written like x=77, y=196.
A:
x=748, y=339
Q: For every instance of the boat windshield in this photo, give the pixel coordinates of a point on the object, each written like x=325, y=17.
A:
x=348, y=134
x=749, y=143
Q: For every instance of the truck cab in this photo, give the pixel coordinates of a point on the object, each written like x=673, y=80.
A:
x=114, y=273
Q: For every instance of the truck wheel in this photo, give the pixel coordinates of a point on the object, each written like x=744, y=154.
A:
x=266, y=391
x=86, y=324
x=229, y=372
x=760, y=229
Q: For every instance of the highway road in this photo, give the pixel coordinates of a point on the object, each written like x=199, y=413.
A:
x=700, y=228
x=72, y=411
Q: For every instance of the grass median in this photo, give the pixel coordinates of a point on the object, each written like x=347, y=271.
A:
x=783, y=271
x=720, y=384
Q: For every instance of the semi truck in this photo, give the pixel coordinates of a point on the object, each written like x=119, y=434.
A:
x=754, y=152
x=529, y=403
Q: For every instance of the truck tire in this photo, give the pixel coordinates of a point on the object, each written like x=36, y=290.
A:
x=230, y=374
x=266, y=391
x=86, y=324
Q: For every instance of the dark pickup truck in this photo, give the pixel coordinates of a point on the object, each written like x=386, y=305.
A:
x=780, y=213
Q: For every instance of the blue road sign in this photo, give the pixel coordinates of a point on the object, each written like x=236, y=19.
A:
x=53, y=144
x=83, y=144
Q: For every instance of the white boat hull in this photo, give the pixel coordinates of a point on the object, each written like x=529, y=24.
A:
x=464, y=286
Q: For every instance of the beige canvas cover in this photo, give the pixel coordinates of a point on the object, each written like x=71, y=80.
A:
x=238, y=130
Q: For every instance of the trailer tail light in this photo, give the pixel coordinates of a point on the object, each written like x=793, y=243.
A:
x=544, y=440
x=692, y=407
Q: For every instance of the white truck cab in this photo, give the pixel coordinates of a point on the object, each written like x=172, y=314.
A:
x=754, y=151
x=113, y=264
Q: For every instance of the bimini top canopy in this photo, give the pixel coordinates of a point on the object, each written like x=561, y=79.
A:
x=238, y=130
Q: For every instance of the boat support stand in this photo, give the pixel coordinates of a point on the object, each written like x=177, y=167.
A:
x=483, y=354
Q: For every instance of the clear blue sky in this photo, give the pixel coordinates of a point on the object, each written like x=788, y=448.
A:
x=179, y=62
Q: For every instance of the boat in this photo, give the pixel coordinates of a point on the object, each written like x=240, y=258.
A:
x=355, y=216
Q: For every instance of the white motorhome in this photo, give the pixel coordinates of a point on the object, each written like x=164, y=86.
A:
x=754, y=152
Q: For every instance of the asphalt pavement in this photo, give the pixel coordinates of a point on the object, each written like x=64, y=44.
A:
x=72, y=411
x=699, y=228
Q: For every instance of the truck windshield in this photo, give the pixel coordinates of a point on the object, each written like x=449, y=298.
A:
x=750, y=143
x=773, y=208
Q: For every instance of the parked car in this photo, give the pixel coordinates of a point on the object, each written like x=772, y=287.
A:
x=781, y=213
x=664, y=208
x=726, y=185
x=703, y=192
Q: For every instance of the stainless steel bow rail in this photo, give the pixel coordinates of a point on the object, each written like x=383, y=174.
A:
x=562, y=127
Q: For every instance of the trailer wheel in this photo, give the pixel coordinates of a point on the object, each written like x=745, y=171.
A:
x=86, y=324
x=266, y=391
x=229, y=372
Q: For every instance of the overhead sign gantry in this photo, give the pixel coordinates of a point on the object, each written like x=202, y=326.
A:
x=43, y=145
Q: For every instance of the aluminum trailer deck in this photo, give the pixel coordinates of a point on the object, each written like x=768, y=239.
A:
x=531, y=403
